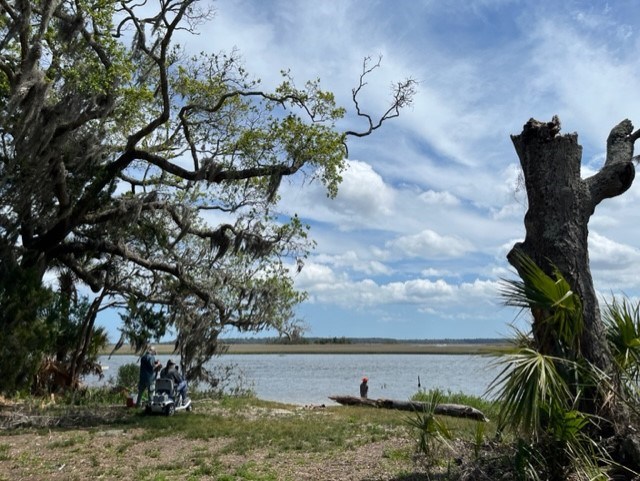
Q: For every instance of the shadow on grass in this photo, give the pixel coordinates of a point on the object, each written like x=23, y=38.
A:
x=419, y=477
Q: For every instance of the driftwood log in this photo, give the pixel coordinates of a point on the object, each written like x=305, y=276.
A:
x=454, y=410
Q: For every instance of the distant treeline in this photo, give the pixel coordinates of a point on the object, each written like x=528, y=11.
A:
x=360, y=340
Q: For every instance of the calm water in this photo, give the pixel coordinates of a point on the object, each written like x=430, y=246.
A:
x=311, y=378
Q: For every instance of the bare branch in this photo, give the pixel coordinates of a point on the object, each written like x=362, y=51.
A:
x=161, y=61
x=402, y=96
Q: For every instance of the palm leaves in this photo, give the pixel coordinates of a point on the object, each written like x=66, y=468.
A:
x=530, y=390
x=558, y=306
x=622, y=327
x=543, y=379
x=534, y=385
x=432, y=432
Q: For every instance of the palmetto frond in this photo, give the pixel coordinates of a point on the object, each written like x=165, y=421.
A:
x=432, y=431
x=529, y=388
x=622, y=327
x=535, y=387
x=551, y=295
x=541, y=394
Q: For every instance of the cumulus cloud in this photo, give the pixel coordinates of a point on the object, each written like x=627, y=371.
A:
x=431, y=197
x=364, y=199
x=439, y=183
x=356, y=261
x=432, y=272
x=607, y=254
x=318, y=276
x=325, y=286
x=363, y=192
x=429, y=244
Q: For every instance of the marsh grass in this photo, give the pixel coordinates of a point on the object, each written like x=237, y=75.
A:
x=332, y=348
x=486, y=405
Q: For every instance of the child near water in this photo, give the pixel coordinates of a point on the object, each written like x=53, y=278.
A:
x=364, y=387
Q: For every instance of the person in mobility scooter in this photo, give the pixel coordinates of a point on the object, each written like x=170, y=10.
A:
x=170, y=393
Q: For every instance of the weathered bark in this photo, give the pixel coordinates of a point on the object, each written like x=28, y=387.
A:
x=453, y=410
x=560, y=205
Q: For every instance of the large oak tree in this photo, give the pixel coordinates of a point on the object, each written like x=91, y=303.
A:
x=150, y=174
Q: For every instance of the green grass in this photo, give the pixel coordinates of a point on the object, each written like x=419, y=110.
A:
x=4, y=451
x=289, y=430
x=237, y=427
x=398, y=454
x=206, y=467
x=67, y=443
x=251, y=472
x=488, y=407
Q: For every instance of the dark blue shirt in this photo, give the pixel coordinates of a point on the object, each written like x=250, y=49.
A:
x=147, y=368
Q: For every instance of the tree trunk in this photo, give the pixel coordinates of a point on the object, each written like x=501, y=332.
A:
x=79, y=356
x=453, y=410
x=560, y=205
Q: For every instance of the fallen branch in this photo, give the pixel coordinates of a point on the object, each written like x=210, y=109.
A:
x=454, y=410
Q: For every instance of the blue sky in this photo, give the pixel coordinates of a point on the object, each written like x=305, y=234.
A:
x=414, y=244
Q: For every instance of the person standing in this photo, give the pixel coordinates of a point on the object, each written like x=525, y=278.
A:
x=364, y=387
x=148, y=368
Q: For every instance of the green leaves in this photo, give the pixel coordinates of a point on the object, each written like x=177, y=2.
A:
x=432, y=431
x=141, y=323
x=153, y=175
x=530, y=388
x=559, y=308
x=622, y=327
x=540, y=394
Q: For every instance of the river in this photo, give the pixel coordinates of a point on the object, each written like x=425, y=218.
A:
x=311, y=378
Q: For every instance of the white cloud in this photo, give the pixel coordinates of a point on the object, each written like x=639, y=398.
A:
x=363, y=193
x=605, y=253
x=440, y=181
x=325, y=286
x=417, y=291
x=429, y=244
x=514, y=210
x=317, y=275
x=586, y=75
x=432, y=272
x=431, y=197
x=357, y=261
x=363, y=200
